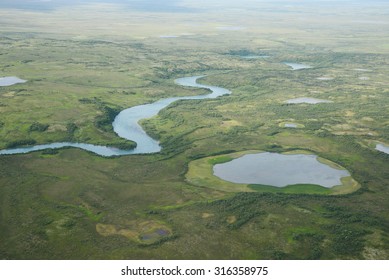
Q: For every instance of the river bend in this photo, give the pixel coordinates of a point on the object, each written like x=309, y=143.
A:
x=126, y=125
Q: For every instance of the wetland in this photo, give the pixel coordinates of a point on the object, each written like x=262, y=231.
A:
x=87, y=67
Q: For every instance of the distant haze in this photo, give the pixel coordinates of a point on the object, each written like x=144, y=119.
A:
x=30, y=3
x=146, y=5
x=165, y=5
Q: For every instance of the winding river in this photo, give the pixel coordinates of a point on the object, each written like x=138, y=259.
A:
x=126, y=125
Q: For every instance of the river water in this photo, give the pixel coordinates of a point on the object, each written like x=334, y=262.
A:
x=126, y=125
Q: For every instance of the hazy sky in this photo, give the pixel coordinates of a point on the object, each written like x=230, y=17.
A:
x=161, y=5
x=151, y=5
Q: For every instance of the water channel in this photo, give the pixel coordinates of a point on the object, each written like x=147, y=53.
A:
x=126, y=125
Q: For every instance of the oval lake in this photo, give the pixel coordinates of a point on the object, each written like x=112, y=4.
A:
x=279, y=170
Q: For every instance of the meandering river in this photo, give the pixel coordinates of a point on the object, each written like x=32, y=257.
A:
x=126, y=125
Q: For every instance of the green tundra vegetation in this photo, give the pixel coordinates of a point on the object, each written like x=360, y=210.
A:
x=84, y=65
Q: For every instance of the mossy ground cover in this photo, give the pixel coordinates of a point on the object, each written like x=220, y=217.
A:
x=72, y=204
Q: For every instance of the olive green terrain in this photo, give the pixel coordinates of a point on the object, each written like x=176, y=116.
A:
x=85, y=65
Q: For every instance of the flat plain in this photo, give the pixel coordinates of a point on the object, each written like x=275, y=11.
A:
x=84, y=64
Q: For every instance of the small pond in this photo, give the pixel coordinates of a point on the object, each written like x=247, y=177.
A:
x=308, y=100
x=9, y=81
x=325, y=78
x=279, y=170
x=297, y=66
x=382, y=148
x=290, y=125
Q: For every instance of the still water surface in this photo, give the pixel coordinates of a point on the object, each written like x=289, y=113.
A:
x=290, y=125
x=308, y=100
x=382, y=148
x=297, y=66
x=9, y=81
x=279, y=170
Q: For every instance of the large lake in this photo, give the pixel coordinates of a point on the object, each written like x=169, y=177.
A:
x=126, y=125
x=9, y=81
x=279, y=170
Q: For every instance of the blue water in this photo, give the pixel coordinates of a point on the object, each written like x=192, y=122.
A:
x=297, y=66
x=308, y=100
x=100, y=150
x=382, y=148
x=126, y=125
x=279, y=170
x=254, y=56
x=9, y=81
